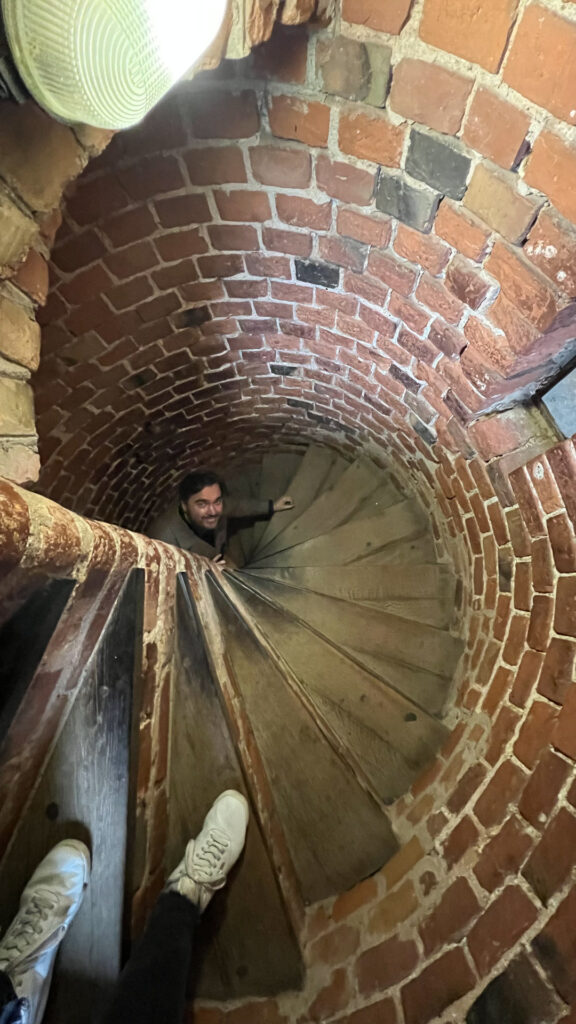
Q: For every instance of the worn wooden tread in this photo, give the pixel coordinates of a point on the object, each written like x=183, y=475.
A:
x=352, y=541
x=318, y=799
x=392, y=736
x=423, y=593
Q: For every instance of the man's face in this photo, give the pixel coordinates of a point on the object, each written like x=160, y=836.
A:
x=204, y=509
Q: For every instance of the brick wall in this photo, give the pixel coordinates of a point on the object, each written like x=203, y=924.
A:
x=360, y=236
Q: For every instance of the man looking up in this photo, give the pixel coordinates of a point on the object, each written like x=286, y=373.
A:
x=200, y=521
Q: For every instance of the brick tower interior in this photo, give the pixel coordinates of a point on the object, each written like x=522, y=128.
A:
x=361, y=235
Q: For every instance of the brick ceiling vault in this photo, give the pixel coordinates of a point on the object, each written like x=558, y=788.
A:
x=341, y=237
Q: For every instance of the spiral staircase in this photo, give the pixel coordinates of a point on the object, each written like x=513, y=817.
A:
x=314, y=676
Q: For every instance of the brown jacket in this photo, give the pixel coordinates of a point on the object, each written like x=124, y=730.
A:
x=172, y=528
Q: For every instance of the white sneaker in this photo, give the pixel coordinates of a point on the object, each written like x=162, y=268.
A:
x=47, y=906
x=210, y=856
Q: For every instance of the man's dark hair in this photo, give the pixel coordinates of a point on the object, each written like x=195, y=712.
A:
x=197, y=481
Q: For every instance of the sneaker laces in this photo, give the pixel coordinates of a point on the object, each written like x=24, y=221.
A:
x=209, y=859
x=27, y=926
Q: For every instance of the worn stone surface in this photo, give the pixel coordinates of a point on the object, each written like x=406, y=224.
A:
x=439, y=162
x=17, y=232
x=19, y=462
x=19, y=335
x=16, y=409
x=413, y=205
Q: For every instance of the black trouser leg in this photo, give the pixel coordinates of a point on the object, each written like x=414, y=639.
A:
x=152, y=987
x=11, y=1007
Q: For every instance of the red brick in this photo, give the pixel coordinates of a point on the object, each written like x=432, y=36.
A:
x=555, y=947
x=519, y=333
x=286, y=168
x=385, y=965
x=503, y=789
x=496, y=129
x=344, y=182
x=467, y=283
x=540, y=797
x=503, y=855
x=246, y=289
x=456, y=29
x=554, y=857
x=462, y=230
x=437, y=987
x=304, y=213
x=463, y=838
x=493, y=197
x=179, y=211
x=552, y=169
x=557, y=676
x=536, y=732
x=342, y=252
x=393, y=273
x=429, y=94
x=449, y=920
x=216, y=165
x=131, y=260
x=242, y=205
x=129, y=226
x=79, y=251
x=336, y=946
x=551, y=246
x=541, y=61
x=407, y=313
x=389, y=17
x=565, y=618
x=268, y=266
x=221, y=266
x=366, y=229
x=293, y=243
x=302, y=120
x=446, y=339
x=523, y=285
x=425, y=251
x=177, y=245
x=563, y=542
x=334, y=997
x=223, y=115
x=233, y=237
x=371, y=137
x=466, y=788
x=151, y=177
x=284, y=55
x=436, y=297
x=500, y=927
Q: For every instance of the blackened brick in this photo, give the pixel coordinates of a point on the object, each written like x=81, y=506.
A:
x=412, y=204
x=439, y=162
x=318, y=273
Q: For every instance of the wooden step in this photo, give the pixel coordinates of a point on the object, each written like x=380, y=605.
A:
x=240, y=953
x=308, y=481
x=422, y=593
x=86, y=791
x=278, y=469
x=416, y=659
x=320, y=803
x=402, y=552
x=389, y=735
x=385, y=495
x=331, y=508
x=352, y=541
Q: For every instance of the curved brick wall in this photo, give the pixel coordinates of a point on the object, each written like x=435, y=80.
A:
x=293, y=249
